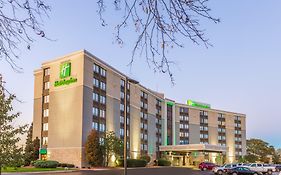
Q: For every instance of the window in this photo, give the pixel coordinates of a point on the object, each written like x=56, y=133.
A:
x=45, y=127
x=102, y=86
x=144, y=95
x=121, y=131
x=96, y=82
x=95, y=97
x=122, y=107
x=46, y=99
x=122, y=120
x=102, y=113
x=101, y=139
x=102, y=127
x=46, y=113
x=95, y=126
x=96, y=68
x=102, y=72
x=45, y=140
x=122, y=95
x=122, y=83
x=102, y=99
x=95, y=111
x=47, y=85
x=46, y=71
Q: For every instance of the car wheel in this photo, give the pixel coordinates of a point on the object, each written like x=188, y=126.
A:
x=234, y=173
x=269, y=172
x=220, y=172
x=255, y=173
x=204, y=169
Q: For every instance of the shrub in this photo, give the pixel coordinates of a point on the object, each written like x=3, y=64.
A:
x=163, y=162
x=132, y=163
x=46, y=164
x=68, y=165
x=146, y=157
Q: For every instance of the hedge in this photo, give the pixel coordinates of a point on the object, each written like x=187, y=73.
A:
x=46, y=164
x=132, y=163
x=68, y=165
x=146, y=157
x=163, y=162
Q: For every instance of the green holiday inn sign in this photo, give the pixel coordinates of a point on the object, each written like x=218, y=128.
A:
x=197, y=104
x=65, y=75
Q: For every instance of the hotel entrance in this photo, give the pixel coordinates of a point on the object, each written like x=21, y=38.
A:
x=193, y=154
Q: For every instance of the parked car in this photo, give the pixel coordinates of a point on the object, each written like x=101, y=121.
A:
x=222, y=169
x=242, y=171
x=206, y=166
x=278, y=168
x=262, y=168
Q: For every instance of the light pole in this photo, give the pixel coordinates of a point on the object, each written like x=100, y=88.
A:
x=127, y=80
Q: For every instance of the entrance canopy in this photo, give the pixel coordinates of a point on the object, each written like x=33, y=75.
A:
x=195, y=147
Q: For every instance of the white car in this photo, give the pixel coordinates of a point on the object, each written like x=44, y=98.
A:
x=262, y=168
x=222, y=169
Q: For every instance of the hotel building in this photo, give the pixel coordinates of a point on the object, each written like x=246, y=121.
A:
x=77, y=93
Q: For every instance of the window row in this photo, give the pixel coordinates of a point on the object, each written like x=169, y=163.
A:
x=46, y=71
x=143, y=105
x=183, y=126
x=203, y=128
x=45, y=127
x=204, y=136
x=98, y=127
x=99, y=70
x=238, y=132
x=144, y=147
x=221, y=130
x=143, y=136
x=238, y=139
x=99, y=84
x=143, y=115
x=121, y=132
x=122, y=108
x=98, y=112
x=184, y=134
x=203, y=113
x=183, y=118
x=47, y=85
x=46, y=99
x=46, y=113
x=122, y=120
x=143, y=125
x=221, y=138
x=144, y=95
x=237, y=125
x=183, y=142
x=99, y=98
x=184, y=110
x=204, y=120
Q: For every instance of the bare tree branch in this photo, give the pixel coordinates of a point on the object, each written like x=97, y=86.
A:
x=159, y=24
x=19, y=21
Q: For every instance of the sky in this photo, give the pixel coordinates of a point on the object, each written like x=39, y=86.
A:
x=240, y=73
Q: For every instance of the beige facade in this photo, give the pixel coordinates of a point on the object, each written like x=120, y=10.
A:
x=79, y=92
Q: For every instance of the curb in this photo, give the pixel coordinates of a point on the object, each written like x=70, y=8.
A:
x=40, y=172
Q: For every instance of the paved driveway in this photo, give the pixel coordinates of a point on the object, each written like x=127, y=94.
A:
x=139, y=171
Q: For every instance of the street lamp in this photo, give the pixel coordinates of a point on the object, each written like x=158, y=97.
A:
x=127, y=80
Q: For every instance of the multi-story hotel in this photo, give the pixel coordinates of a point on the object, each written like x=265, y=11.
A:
x=77, y=93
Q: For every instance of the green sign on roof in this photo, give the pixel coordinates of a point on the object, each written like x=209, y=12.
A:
x=65, y=70
x=198, y=104
x=170, y=103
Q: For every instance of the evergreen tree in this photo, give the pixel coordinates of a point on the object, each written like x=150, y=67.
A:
x=93, y=150
x=36, y=147
x=10, y=153
x=29, y=147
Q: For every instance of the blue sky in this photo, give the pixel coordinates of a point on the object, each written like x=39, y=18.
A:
x=240, y=73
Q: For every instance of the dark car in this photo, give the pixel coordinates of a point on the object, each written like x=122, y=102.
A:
x=278, y=168
x=206, y=166
x=242, y=171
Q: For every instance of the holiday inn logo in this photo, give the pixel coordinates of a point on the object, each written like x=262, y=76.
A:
x=65, y=70
x=65, y=75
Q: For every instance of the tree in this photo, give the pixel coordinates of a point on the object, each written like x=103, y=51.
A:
x=10, y=152
x=93, y=150
x=20, y=21
x=160, y=25
x=29, y=147
x=113, y=146
x=259, y=150
x=31, y=151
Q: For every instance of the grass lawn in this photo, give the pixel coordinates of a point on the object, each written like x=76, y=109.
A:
x=11, y=170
